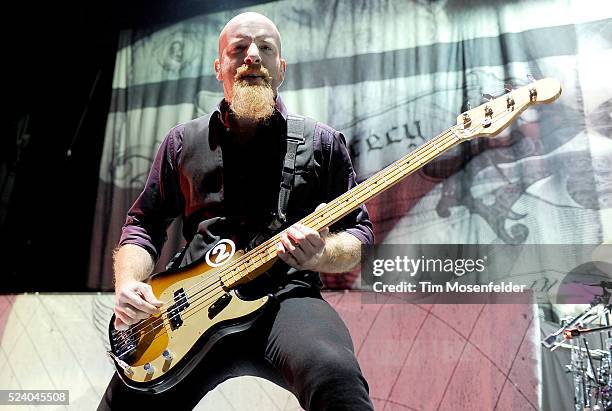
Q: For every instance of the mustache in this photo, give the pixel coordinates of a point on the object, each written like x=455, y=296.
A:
x=253, y=71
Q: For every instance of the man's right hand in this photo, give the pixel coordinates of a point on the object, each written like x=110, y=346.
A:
x=134, y=301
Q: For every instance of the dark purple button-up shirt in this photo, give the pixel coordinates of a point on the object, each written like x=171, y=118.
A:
x=247, y=188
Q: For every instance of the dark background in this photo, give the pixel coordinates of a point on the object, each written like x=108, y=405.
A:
x=58, y=74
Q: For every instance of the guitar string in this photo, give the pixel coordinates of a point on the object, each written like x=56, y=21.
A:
x=357, y=187
x=187, y=314
x=193, y=309
x=231, y=267
x=156, y=323
x=398, y=165
x=208, y=297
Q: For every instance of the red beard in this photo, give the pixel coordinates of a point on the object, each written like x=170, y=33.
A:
x=252, y=99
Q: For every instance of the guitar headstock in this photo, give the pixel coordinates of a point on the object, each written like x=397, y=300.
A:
x=489, y=119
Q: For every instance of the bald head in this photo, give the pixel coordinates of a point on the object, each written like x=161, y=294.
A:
x=248, y=20
x=249, y=49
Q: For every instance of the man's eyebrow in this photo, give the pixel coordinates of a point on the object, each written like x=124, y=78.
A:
x=240, y=37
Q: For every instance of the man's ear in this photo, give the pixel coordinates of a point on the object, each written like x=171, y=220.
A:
x=283, y=64
x=217, y=67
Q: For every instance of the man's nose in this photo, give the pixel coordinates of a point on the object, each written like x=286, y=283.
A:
x=252, y=56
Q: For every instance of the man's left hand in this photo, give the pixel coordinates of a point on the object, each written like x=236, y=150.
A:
x=302, y=247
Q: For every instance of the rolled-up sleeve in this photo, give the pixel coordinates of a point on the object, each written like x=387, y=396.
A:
x=160, y=200
x=339, y=177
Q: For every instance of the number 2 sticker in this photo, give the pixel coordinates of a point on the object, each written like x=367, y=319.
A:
x=220, y=253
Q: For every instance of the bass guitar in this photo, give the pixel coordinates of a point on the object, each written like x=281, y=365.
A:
x=201, y=304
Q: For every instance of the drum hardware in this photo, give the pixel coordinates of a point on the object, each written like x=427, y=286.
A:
x=592, y=383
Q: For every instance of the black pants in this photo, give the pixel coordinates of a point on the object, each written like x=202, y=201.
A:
x=302, y=346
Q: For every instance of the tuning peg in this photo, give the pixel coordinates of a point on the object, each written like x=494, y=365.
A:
x=530, y=78
x=487, y=97
x=508, y=87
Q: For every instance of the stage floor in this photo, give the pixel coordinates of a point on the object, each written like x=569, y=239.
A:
x=415, y=357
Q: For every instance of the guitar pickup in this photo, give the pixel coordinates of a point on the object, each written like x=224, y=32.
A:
x=219, y=305
x=174, y=312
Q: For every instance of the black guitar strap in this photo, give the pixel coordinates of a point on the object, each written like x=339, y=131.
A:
x=295, y=137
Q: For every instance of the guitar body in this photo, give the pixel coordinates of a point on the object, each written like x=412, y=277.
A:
x=156, y=353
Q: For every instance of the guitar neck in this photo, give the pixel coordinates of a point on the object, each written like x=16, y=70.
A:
x=381, y=181
x=247, y=267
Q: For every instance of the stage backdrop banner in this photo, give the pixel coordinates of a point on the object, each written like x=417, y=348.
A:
x=390, y=75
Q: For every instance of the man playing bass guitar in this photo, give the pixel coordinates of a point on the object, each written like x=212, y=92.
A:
x=248, y=168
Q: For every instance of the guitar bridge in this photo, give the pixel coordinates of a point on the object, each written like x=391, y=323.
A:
x=124, y=366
